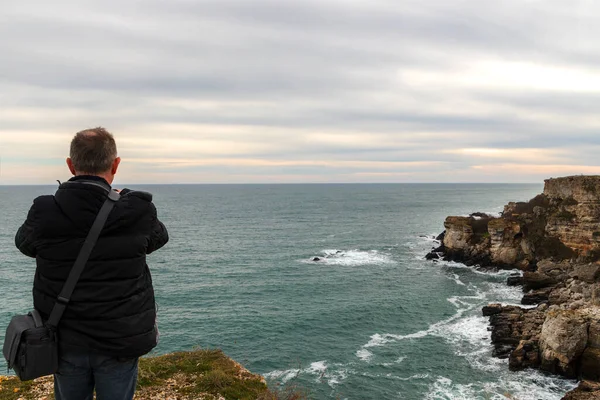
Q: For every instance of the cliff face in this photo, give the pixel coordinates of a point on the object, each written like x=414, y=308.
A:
x=578, y=226
x=563, y=223
x=555, y=240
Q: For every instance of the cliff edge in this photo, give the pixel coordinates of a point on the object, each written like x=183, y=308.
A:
x=198, y=374
x=554, y=240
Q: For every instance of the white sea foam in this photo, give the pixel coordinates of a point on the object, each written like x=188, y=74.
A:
x=283, y=376
x=431, y=238
x=472, y=329
x=378, y=340
x=471, y=340
x=500, y=292
x=321, y=371
x=317, y=368
x=335, y=377
x=364, y=355
x=413, y=377
x=443, y=388
x=529, y=385
x=399, y=360
x=492, y=272
x=395, y=377
x=352, y=257
x=456, y=279
x=478, y=270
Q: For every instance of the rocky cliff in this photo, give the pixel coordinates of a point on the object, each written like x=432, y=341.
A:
x=554, y=239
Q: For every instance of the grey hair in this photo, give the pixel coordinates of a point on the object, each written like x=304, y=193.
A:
x=93, y=151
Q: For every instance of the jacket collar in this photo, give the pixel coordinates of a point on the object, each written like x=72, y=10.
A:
x=93, y=178
x=89, y=179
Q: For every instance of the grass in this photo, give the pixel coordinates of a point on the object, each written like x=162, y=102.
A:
x=12, y=389
x=206, y=374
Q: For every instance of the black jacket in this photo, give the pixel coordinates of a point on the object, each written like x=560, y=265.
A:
x=112, y=309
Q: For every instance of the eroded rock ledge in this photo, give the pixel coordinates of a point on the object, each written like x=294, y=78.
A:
x=554, y=239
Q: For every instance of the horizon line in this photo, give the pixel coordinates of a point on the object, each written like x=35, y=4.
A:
x=299, y=183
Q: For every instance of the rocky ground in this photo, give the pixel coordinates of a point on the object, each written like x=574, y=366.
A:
x=554, y=239
x=198, y=375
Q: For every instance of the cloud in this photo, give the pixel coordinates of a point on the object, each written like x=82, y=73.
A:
x=261, y=91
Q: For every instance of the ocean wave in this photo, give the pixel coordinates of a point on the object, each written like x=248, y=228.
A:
x=493, y=272
x=283, y=376
x=378, y=340
x=469, y=335
x=471, y=340
x=364, y=355
x=351, y=257
x=396, y=377
x=479, y=270
x=321, y=371
x=499, y=292
x=399, y=360
x=456, y=279
x=529, y=385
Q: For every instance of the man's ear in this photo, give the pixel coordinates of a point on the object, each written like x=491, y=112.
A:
x=71, y=167
x=115, y=166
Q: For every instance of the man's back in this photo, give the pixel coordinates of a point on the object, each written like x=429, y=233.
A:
x=110, y=319
x=112, y=309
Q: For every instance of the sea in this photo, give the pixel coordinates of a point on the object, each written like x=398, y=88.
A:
x=371, y=319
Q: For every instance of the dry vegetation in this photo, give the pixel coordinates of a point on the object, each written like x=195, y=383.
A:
x=199, y=374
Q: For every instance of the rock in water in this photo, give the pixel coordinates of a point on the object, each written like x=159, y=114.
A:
x=514, y=280
x=585, y=391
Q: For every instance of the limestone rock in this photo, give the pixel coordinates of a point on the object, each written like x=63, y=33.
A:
x=537, y=280
x=590, y=364
x=466, y=240
x=525, y=355
x=589, y=273
x=585, y=391
x=563, y=339
x=536, y=296
x=594, y=334
x=515, y=333
x=563, y=223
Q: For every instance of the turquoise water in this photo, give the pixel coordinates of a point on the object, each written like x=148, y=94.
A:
x=371, y=320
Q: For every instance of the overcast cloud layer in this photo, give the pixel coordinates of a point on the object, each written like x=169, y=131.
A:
x=304, y=91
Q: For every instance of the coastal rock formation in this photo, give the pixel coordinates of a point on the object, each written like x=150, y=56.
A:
x=515, y=333
x=554, y=239
x=563, y=339
x=585, y=391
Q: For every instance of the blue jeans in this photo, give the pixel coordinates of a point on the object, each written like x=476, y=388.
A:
x=78, y=374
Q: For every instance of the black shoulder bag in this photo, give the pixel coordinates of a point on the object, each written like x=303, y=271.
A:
x=30, y=345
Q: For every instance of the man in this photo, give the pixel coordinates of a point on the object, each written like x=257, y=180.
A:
x=111, y=318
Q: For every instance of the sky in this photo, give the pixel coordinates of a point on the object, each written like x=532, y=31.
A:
x=294, y=91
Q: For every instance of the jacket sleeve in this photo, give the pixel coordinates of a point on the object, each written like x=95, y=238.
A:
x=25, y=237
x=158, y=235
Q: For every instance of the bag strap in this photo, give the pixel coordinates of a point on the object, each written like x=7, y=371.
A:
x=90, y=241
